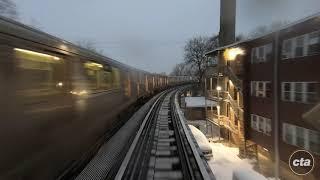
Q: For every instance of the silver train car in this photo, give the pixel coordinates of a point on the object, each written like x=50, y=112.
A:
x=57, y=100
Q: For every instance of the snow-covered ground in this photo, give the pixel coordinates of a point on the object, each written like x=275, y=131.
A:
x=225, y=162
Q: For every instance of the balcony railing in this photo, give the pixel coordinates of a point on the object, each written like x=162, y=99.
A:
x=213, y=95
x=223, y=121
x=237, y=82
x=225, y=95
x=235, y=106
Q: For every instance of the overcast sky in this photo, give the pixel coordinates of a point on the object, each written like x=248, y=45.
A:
x=150, y=34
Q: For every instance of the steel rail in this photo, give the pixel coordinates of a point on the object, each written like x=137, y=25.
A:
x=136, y=163
x=129, y=155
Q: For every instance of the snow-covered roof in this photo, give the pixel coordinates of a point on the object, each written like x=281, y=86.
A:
x=199, y=102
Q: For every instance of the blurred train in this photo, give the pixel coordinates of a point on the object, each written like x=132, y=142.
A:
x=57, y=99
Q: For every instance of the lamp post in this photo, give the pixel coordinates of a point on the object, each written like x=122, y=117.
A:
x=218, y=109
x=218, y=89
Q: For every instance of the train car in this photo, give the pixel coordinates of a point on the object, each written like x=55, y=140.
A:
x=58, y=99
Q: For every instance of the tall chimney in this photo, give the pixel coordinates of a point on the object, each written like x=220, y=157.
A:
x=227, y=22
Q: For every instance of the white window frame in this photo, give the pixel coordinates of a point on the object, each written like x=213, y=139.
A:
x=306, y=43
x=312, y=43
x=293, y=132
x=254, y=126
x=267, y=48
x=293, y=92
x=256, y=91
x=266, y=124
x=288, y=54
x=268, y=127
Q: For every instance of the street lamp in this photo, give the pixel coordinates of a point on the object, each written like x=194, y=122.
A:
x=218, y=111
x=218, y=89
x=231, y=53
x=218, y=108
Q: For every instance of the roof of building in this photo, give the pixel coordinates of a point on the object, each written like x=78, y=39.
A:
x=316, y=15
x=199, y=102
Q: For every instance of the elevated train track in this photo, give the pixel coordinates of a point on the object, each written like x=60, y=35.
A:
x=161, y=147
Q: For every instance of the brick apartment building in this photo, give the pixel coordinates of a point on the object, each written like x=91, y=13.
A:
x=271, y=96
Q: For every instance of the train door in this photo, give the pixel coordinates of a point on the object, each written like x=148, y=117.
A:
x=146, y=83
x=153, y=83
x=127, y=87
x=138, y=84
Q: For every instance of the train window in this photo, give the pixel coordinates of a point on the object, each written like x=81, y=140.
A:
x=91, y=76
x=92, y=73
x=116, y=77
x=127, y=84
x=105, y=80
x=38, y=74
x=98, y=76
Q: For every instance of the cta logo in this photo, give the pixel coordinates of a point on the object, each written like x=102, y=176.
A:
x=301, y=162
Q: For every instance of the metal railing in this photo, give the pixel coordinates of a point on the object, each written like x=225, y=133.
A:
x=213, y=95
x=234, y=78
x=235, y=106
x=225, y=95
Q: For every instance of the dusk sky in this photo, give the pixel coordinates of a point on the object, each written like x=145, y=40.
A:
x=150, y=34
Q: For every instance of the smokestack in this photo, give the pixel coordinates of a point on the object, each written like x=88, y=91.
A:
x=227, y=22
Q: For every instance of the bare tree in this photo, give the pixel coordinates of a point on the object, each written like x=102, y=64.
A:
x=194, y=54
x=264, y=29
x=90, y=45
x=178, y=70
x=8, y=9
x=240, y=37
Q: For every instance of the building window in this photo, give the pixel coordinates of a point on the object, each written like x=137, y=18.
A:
x=254, y=123
x=261, y=88
x=268, y=126
x=301, y=137
x=314, y=43
x=287, y=133
x=287, y=49
x=303, y=92
x=311, y=92
x=314, y=141
x=261, y=54
x=261, y=124
x=298, y=51
x=307, y=44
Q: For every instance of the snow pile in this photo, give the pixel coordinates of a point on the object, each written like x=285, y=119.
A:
x=225, y=161
x=199, y=102
x=246, y=174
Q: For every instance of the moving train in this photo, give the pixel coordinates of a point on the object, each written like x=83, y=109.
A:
x=58, y=99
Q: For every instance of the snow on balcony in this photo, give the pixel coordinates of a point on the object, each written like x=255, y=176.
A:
x=199, y=102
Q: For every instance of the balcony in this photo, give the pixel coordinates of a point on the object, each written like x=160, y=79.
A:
x=225, y=96
x=236, y=108
x=213, y=95
x=234, y=78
